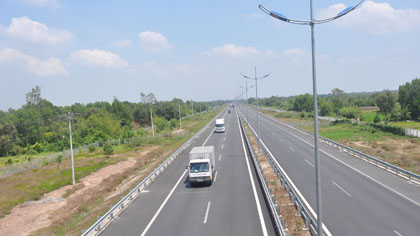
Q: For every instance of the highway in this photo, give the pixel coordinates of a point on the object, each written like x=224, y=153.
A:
x=232, y=205
x=357, y=197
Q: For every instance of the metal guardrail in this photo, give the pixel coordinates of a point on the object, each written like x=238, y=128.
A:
x=275, y=209
x=370, y=159
x=302, y=206
x=106, y=219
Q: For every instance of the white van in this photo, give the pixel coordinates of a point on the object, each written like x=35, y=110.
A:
x=220, y=126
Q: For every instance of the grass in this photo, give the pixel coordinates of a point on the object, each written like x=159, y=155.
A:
x=398, y=150
x=32, y=184
x=407, y=124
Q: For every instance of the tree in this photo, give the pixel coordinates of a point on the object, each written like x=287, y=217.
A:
x=325, y=107
x=8, y=139
x=338, y=99
x=304, y=103
x=409, y=98
x=34, y=96
x=386, y=102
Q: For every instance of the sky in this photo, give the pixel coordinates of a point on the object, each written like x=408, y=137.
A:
x=87, y=51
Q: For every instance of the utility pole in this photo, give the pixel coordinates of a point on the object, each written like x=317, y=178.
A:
x=151, y=120
x=192, y=108
x=69, y=117
x=180, y=117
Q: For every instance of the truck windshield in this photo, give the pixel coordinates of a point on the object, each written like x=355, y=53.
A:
x=199, y=167
x=220, y=125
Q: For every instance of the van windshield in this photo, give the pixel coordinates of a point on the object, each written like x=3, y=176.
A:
x=199, y=167
x=220, y=125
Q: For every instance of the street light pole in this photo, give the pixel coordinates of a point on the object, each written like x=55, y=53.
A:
x=69, y=117
x=256, y=96
x=312, y=23
x=180, y=117
x=151, y=120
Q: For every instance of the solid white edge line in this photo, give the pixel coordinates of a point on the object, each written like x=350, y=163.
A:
x=293, y=185
x=354, y=169
x=341, y=188
x=163, y=204
x=257, y=200
x=207, y=212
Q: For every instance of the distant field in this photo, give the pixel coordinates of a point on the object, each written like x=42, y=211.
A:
x=369, y=116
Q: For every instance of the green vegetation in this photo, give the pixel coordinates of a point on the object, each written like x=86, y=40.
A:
x=41, y=127
x=32, y=184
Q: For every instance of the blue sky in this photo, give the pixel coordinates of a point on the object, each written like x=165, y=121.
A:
x=86, y=51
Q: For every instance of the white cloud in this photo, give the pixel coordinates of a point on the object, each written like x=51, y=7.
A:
x=294, y=52
x=44, y=3
x=154, y=41
x=233, y=50
x=42, y=68
x=33, y=31
x=378, y=18
x=98, y=58
x=122, y=43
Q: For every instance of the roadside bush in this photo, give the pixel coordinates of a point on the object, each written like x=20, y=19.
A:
x=59, y=158
x=92, y=148
x=389, y=129
x=351, y=112
x=376, y=119
x=161, y=124
x=174, y=123
x=108, y=149
x=37, y=147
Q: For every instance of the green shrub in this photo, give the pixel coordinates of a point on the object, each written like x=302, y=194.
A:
x=389, y=129
x=108, y=149
x=37, y=147
x=161, y=124
x=376, y=119
x=92, y=148
x=59, y=158
x=174, y=123
x=351, y=112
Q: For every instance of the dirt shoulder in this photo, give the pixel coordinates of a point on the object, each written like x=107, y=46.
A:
x=34, y=215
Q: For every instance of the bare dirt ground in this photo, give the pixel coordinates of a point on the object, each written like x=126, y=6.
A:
x=34, y=215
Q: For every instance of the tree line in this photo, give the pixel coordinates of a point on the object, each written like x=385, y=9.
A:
x=401, y=104
x=40, y=126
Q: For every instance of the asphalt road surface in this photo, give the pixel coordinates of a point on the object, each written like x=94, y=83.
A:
x=357, y=197
x=232, y=205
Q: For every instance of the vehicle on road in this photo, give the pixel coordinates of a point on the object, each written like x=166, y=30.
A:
x=220, y=126
x=202, y=165
x=229, y=111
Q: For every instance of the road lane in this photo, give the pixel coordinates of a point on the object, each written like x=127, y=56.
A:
x=372, y=208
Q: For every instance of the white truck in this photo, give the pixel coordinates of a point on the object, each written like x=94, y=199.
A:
x=202, y=165
x=220, y=126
